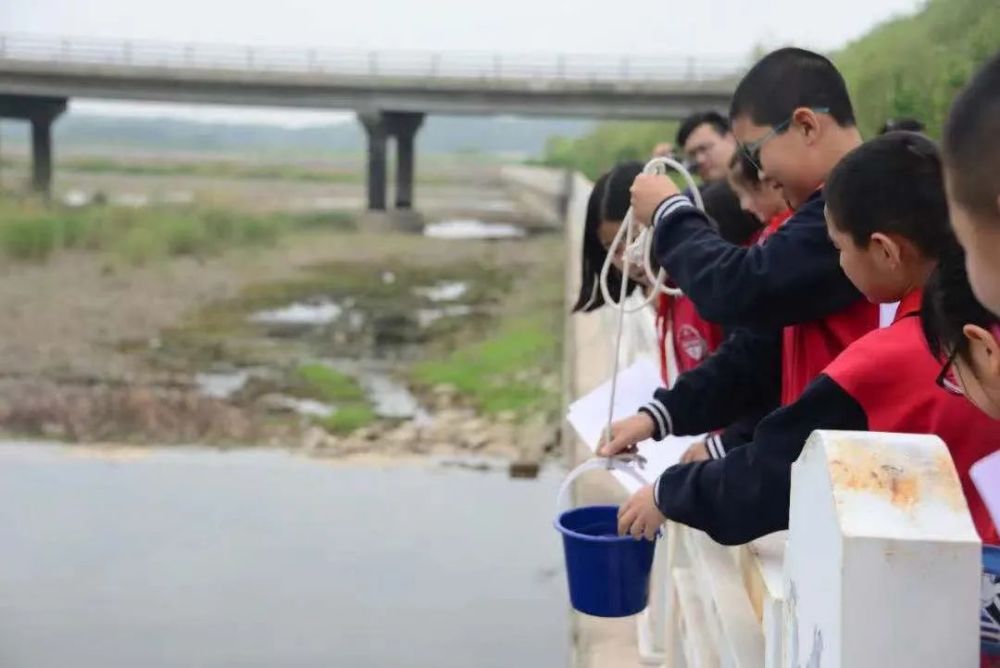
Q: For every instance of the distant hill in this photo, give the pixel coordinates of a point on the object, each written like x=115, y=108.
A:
x=440, y=134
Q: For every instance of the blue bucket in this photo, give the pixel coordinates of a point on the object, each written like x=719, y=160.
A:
x=608, y=574
x=989, y=609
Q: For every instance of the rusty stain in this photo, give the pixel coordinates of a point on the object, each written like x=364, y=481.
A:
x=903, y=480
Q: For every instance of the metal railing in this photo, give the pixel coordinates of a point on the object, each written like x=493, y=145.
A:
x=391, y=64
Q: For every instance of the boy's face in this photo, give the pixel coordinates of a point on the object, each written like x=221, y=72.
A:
x=710, y=152
x=872, y=269
x=980, y=238
x=781, y=157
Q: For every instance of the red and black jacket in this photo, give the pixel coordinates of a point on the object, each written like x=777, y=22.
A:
x=792, y=308
x=885, y=381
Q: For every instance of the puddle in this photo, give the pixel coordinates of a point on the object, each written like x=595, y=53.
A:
x=473, y=229
x=76, y=198
x=304, y=407
x=221, y=385
x=262, y=557
x=391, y=399
x=428, y=316
x=300, y=314
x=447, y=291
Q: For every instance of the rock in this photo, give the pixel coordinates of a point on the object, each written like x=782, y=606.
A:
x=315, y=438
x=523, y=469
x=444, y=389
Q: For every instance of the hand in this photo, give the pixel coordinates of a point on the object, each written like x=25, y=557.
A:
x=698, y=452
x=648, y=190
x=639, y=516
x=625, y=434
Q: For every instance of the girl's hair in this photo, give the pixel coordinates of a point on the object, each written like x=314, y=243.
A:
x=723, y=207
x=949, y=305
x=609, y=200
x=744, y=171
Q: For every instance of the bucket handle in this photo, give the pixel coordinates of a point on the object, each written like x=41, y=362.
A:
x=624, y=464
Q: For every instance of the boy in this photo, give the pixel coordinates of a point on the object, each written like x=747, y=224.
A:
x=886, y=213
x=971, y=148
x=794, y=308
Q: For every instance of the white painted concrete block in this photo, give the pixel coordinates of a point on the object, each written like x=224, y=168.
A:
x=882, y=565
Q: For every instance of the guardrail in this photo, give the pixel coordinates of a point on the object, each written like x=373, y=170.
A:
x=344, y=62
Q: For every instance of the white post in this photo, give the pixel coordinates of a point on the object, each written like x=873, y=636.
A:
x=883, y=564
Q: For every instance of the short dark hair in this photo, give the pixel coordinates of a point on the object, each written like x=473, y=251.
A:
x=743, y=169
x=787, y=79
x=723, y=207
x=905, y=123
x=949, y=305
x=892, y=184
x=972, y=142
x=694, y=121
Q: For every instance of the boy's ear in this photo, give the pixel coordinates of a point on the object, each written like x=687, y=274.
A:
x=888, y=247
x=807, y=120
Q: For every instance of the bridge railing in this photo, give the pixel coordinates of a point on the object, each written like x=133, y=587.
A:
x=344, y=62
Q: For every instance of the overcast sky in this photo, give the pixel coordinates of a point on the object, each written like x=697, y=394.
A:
x=650, y=27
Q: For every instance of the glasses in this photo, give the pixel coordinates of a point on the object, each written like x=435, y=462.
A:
x=752, y=150
x=947, y=380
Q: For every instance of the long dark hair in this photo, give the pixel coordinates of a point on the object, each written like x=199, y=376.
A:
x=609, y=200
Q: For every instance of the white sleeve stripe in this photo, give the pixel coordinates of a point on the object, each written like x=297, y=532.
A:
x=666, y=415
x=658, y=418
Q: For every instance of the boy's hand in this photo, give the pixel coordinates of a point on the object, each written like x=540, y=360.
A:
x=625, y=434
x=648, y=190
x=698, y=452
x=639, y=516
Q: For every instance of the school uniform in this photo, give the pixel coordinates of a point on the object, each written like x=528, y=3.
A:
x=693, y=337
x=792, y=309
x=882, y=382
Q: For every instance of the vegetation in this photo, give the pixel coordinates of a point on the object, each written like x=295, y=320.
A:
x=909, y=66
x=32, y=232
x=352, y=410
x=515, y=367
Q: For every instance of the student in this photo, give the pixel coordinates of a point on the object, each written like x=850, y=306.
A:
x=794, y=308
x=965, y=337
x=761, y=198
x=886, y=213
x=598, y=233
x=708, y=144
x=693, y=337
x=971, y=147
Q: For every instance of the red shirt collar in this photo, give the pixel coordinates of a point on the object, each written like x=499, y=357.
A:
x=909, y=304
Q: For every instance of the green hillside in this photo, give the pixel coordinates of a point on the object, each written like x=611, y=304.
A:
x=910, y=66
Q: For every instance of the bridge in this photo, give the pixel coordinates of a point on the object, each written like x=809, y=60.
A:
x=391, y=91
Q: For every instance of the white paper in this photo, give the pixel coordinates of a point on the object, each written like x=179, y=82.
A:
x=589, y=417
x=986, y=475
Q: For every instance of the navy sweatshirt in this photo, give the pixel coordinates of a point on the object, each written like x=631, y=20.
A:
x=793, y=277
x=884, y=382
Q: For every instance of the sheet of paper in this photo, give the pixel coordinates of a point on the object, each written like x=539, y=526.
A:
x=589, y=417
x=986, y=475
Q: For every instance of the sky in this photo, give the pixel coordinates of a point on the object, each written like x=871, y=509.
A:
x=705, y=28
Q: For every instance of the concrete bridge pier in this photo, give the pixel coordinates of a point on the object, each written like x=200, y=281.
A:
x=41, y=112
x=402, y=126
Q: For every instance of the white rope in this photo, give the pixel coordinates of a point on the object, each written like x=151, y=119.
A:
x=640, y=247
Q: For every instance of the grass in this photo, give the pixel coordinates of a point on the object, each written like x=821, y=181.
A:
x=327, y=384
x=321, y=382
x=349, y=418
x=32, y=232
x=504, y=370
